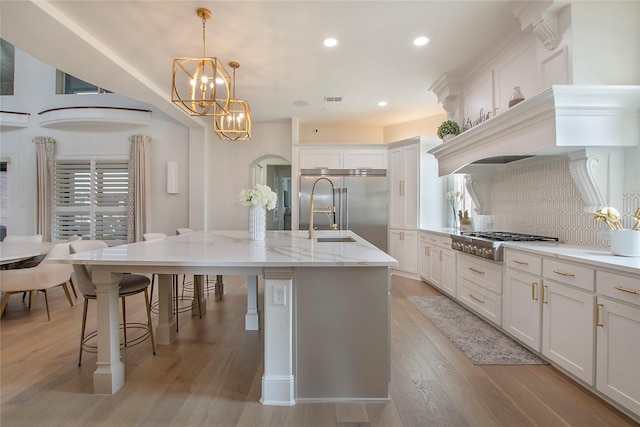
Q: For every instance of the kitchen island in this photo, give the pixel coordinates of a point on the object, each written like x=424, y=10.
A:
x=326, y=307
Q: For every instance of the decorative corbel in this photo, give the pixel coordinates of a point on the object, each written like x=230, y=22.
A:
x=546, y=29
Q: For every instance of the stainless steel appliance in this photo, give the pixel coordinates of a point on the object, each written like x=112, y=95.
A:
x=353, y=199
x=487, y=244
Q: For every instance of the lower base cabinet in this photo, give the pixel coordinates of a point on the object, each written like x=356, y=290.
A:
x=568, y=336
x=618, y=348
x=403, y=246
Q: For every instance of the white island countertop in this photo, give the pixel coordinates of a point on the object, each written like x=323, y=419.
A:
x=234, y=249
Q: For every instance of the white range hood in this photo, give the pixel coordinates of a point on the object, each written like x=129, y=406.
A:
x=560, y=120
x=590, y=124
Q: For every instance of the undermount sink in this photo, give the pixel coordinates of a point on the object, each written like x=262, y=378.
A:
x=336, y=239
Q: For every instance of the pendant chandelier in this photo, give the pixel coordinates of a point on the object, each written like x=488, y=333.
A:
x=236, y=126
x=200, y=86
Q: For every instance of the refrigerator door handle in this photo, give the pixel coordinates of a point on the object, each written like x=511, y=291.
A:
x=345, y=220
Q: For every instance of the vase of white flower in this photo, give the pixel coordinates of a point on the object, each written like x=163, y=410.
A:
x=260, y=198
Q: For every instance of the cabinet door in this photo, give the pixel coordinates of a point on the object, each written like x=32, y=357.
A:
x=425, y=256
x=568, y=329
x=618, y=354
x=410, y=249
x=521, y=307
x=320, y=159
x=365, y=159
x=448, y=271
x=396, y=248
x=411, y=161
x=396, y=188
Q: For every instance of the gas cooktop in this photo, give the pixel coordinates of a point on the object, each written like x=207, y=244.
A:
x=487, y=244
x=502, y=236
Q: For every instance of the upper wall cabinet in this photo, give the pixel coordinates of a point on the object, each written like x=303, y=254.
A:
x=339, y=156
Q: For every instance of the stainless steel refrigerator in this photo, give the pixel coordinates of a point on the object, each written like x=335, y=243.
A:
x=358, y=195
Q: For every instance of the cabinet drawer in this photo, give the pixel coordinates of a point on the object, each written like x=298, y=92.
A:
x=477, y=298
x=618, y=286
x=523, y=261
x=568, y=273
x=481, y=272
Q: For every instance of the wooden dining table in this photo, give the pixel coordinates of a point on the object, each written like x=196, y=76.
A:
x=11, y=252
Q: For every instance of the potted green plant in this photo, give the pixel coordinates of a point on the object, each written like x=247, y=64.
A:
x=448, y=127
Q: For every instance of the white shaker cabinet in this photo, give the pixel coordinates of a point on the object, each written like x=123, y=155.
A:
x=403, y=187
x=618, y=338
x=403, y=245
x=568, y=331
x=522, y=314
x=415, y=198
x=438, y=262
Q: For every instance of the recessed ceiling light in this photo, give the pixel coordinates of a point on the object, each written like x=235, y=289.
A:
x=301, y=103
x=382, y=103
x=420, y=41
x=330, y=42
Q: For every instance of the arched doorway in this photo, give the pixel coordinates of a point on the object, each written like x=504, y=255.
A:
x=275, y=171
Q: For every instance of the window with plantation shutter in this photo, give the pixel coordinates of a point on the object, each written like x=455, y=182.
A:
x=91, y=198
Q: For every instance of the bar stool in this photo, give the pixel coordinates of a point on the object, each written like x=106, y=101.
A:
x=176, y=299
x=131, y=284
x=218, y=286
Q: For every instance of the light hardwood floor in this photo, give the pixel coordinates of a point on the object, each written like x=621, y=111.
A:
x=212, y=376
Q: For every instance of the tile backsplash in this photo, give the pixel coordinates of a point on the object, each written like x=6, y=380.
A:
x=543, y=199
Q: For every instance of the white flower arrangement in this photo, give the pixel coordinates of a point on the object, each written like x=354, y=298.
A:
x=259, y=195
x=454, y=195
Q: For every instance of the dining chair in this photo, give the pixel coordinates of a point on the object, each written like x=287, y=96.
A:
x=131, y=284
x=218, y=286
x=27, y=263
x=42, y=277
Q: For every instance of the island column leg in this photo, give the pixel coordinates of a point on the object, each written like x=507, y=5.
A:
x=278, y=385
x=166, y=330
x=109, y=374
x=252, y=318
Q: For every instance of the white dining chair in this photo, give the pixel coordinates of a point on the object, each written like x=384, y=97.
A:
x=42, y=277
x=131, y=284
x=27, y=263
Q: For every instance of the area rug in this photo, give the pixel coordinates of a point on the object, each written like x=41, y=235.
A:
x=482, y=343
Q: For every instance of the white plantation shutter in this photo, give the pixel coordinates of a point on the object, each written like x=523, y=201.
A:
x=91, y=199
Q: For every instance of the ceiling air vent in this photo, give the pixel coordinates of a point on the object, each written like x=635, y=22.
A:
x=332, y=99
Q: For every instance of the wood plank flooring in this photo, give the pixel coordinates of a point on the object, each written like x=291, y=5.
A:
x=212, y=376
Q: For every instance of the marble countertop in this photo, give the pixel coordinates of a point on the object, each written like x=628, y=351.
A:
x=234, y=249
x=595, y=256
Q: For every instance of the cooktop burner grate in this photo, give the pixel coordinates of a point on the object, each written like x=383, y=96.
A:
x=501, y=236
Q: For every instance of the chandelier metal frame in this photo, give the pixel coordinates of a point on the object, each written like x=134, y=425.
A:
x=201, y=86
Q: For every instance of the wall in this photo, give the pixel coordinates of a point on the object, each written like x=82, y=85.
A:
x=35, y=92
x=229, y=171
x=341, y=134
x=426, y=126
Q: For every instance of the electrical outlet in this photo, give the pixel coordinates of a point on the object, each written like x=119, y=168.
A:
x=279, y=294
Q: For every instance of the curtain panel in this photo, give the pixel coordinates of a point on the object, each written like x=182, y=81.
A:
x=137, y=209
x=44, y=191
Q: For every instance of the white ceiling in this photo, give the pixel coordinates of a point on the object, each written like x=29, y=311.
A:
x=128, y=48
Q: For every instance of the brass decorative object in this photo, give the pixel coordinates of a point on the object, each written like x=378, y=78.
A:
x=236, y=126
x=200, y=86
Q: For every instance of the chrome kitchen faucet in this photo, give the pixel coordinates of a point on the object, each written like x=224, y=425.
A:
x=329, y=210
